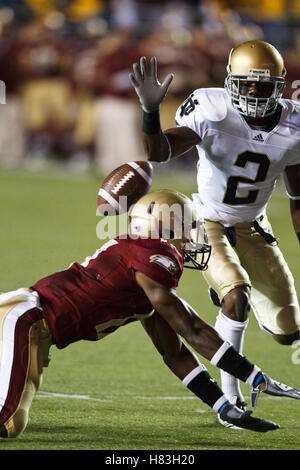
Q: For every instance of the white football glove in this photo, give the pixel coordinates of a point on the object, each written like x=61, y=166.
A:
x=145, y=82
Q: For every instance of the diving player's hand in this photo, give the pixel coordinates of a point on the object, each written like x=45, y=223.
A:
x=145, y=82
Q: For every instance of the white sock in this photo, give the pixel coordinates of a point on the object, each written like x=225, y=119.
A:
x=232, y=331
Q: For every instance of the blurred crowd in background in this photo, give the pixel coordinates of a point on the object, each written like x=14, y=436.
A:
x=65, y=65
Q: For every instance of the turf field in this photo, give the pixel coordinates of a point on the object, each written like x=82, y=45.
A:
x=116, y=394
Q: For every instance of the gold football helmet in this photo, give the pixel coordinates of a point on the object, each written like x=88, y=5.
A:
x=255, y=61
x=171, y=215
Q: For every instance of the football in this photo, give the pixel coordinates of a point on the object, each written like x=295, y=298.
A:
x=123, y=187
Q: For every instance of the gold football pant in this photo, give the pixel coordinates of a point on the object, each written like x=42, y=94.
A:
x=24, y=351
x=254, y=262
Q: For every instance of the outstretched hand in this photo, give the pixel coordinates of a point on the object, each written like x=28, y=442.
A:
x=145, y=82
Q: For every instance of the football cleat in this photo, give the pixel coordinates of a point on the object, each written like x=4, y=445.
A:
x=274, y=388
x=243, y=420
x=239, y=404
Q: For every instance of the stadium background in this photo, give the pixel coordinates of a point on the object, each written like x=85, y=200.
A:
x=65, y=64
x=70, y=117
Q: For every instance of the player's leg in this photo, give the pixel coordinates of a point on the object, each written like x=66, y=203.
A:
x=231, y=283
x=25, y=342
x=273, y=296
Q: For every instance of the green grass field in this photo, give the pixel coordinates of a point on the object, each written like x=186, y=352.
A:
x=116, y=394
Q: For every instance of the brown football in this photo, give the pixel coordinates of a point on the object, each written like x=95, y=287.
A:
x=123, y=187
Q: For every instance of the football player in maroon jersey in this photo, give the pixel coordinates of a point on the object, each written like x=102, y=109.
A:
x=132, y=277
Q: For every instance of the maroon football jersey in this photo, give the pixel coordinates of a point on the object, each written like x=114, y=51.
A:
x=92, y=299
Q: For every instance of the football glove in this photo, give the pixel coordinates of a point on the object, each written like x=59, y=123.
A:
x=145, y=82
x=244, y=420
x=274, y=388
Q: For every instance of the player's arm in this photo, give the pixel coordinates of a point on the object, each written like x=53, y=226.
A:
x=180, y=360
x=291, y=177
x=160, y=145
x=181, y=317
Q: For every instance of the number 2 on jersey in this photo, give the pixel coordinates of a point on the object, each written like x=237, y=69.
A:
x=243, y=158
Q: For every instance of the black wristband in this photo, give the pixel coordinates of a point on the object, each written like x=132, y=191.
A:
x=151, y=123
x=298, y=235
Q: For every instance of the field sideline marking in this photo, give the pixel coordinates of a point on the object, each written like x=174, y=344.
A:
x=87, y=397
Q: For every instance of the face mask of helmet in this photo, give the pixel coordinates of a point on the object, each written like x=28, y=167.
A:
x=192, y=243
x=250, y=106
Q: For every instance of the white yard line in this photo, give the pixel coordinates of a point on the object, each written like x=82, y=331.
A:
x=110, y=399
x=68, y=396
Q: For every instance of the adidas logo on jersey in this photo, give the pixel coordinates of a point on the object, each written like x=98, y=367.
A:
x=258, y=137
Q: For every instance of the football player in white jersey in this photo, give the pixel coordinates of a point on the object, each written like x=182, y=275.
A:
x=246, y=136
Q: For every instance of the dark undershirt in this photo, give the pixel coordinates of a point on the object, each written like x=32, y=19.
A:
x=271, y=123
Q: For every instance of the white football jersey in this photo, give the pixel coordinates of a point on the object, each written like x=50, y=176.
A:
x=238, y=166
